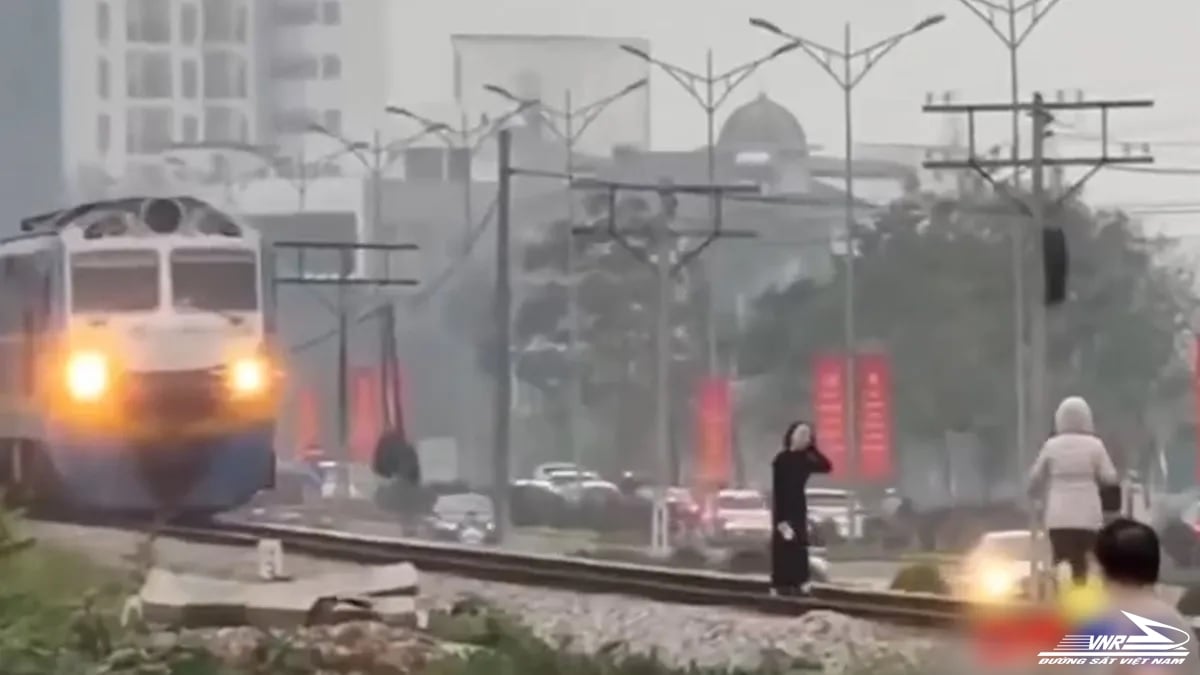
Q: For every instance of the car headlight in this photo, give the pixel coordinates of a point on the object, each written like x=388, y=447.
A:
x=248, y=376
x=87, y=376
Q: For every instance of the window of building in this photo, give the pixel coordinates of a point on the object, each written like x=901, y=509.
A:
x=331, y=67
x=224, y=124
x=425, y=164
x=148, y=129
x=458, y=165
x=296, y=13
x=148, y=74
x=296, y=68
x=331, y=12
x=191, y=129
x=148, y=21
x=102, y=78
x=242, y=24
x=103, y=22
x=292, y=121
x=332, y=120
x=189, y=28
x=103, y=133
x=224, y=21
x=189, y=80
x=224, y=75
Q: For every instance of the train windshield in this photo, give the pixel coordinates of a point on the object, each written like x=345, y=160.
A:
x=114, y=281
x=219, y=280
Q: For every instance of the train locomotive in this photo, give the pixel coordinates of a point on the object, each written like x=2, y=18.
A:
x=138, y=373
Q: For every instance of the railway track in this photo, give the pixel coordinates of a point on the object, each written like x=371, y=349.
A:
x=585, y=576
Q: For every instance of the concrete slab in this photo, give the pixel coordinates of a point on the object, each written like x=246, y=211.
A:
x=388, y=592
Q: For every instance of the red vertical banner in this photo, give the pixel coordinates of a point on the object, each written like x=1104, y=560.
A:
x=308, y=422
x=829, y=408
x=874, y=373
x=365, y=424
x=713, y=429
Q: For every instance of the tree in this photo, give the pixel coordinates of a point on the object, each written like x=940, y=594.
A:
x=616, y=305
x=933, y=288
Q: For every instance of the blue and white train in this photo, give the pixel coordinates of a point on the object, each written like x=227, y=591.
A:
x=137, y=368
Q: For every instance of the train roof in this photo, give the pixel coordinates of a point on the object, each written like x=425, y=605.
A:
x=138, y=215
x=65, y=216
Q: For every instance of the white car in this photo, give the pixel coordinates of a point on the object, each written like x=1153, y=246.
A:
x=836, y=506
x=543, y=471
x=735, y=516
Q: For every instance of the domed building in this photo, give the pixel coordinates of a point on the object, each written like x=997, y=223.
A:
x=763, y=125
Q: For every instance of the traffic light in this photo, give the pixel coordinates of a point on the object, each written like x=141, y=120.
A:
x=1055, y=263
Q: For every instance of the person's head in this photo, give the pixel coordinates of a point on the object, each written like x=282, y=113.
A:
x=1074, y=416
x=1128, y=553
x=799, y=436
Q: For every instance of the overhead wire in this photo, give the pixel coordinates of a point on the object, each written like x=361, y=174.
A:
x=421, y=300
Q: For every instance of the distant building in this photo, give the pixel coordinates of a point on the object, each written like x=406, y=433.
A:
x=142, y=75
x=31, y=109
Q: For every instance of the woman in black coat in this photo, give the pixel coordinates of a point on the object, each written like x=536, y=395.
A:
x=790, y=472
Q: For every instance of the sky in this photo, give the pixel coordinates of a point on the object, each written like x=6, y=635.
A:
x=1109, y=49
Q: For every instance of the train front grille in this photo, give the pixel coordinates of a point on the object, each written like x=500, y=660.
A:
x=180, y=397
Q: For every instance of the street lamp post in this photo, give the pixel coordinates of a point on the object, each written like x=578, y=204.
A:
x=377, y=163
x=574, y=121
x=270, y=158
x=376, y=157
x=466, y=138
x=711, y=90
x=848, y=79
x=1006, y=13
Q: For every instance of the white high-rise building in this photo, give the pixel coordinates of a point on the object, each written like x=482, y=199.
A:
x=140, y=76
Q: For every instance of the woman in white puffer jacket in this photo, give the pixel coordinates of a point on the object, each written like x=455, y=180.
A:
x=1071, y=468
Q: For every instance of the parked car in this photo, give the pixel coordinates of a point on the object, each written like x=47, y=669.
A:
x=543, y=471
x=836, y=513
x=295, y=483
x=737, y=518
x=537, y=503
x=467, y=518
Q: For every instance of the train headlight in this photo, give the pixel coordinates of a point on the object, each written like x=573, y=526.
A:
x=248, y=376
x=87, y=376
x=994, y=581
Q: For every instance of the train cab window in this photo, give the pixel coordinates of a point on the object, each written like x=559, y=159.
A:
x=214, y=279
x=115, y=281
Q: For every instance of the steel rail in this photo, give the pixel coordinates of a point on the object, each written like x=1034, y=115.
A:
x=587, y=576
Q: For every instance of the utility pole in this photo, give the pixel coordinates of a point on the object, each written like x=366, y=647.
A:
x=1039, y=209
x=711, y=90
x=501, y=463
x=1002, y=18
x=376, y=157
x=848, y=78
x=465, y=138
x=667, y=194
x=575, y=122
x=352, y=272
x=658, y=254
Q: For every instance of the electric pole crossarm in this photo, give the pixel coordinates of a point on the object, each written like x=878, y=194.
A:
x=334, y=280
x=1047, y=106
x=984, y=163
x=684, y=188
